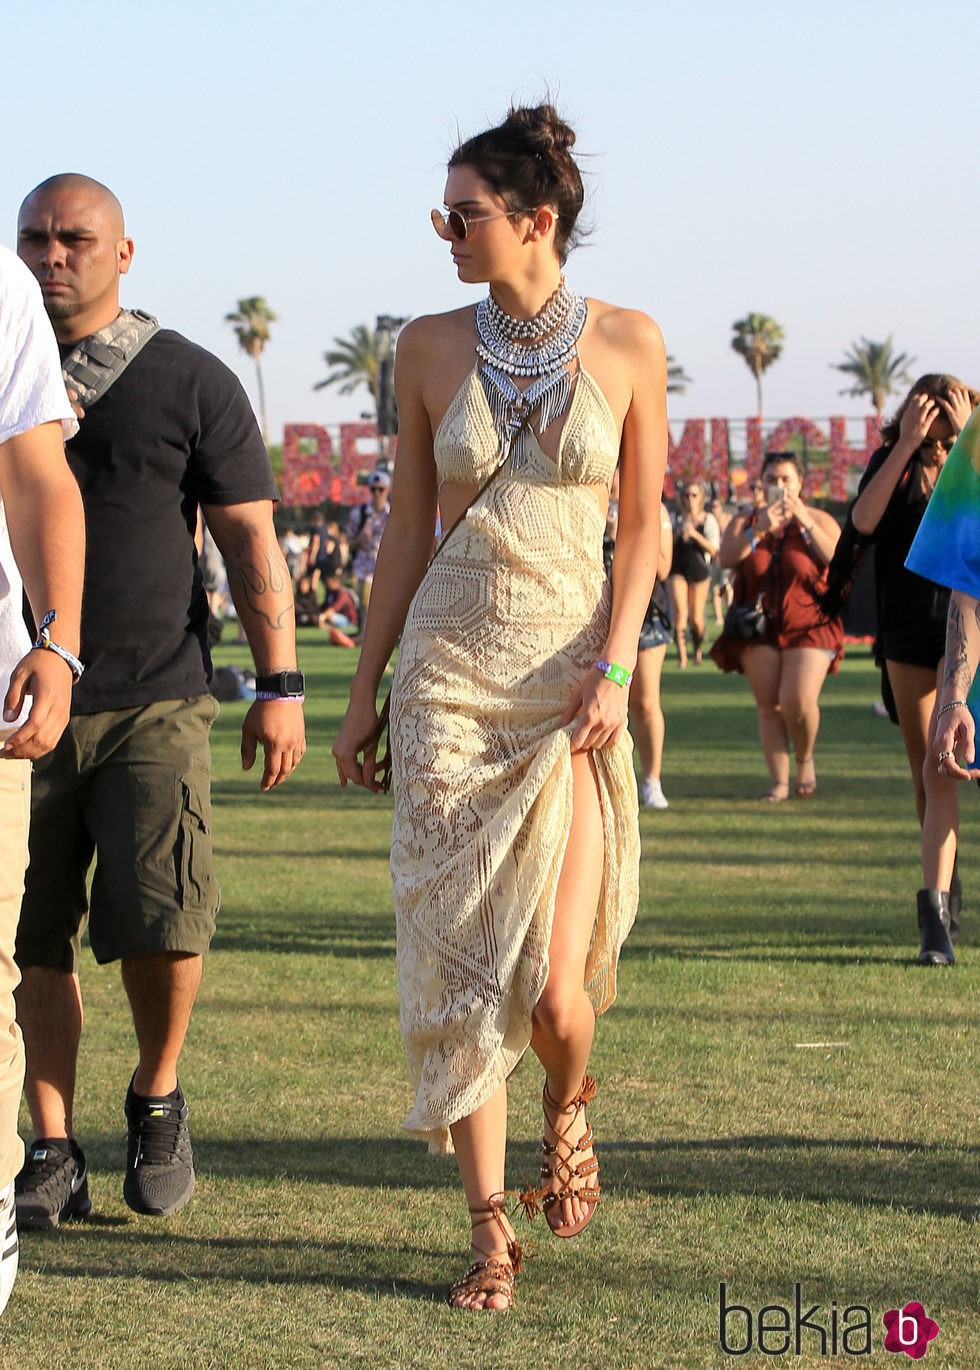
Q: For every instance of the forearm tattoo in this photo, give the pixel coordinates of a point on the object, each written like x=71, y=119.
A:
x=958, y=673
x=264, y=579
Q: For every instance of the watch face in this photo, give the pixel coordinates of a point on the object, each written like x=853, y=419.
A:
x=293, y=682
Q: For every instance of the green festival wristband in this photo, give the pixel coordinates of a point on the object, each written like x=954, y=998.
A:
x=619, y=675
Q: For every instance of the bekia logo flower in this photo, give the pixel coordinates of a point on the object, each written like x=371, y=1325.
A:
x=909, y=1330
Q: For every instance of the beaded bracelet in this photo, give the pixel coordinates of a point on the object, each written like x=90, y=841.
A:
x=619, y=675
x=268, y=697
x=953, y=704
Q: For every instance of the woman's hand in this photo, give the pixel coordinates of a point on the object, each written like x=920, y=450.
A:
x=359, y=725
x=918, y=418
x=776, y=517
x=796, y=509
x=955, y=737
x=598, y=707
x=957, y=408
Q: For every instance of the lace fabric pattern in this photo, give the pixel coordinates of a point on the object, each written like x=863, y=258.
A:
x=506, y=621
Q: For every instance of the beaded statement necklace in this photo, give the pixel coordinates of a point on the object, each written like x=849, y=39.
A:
x=540, y=348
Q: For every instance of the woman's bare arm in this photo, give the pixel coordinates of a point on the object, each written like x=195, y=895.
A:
x=402, y=557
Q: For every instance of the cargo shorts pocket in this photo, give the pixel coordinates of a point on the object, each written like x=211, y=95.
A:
x=193, y=858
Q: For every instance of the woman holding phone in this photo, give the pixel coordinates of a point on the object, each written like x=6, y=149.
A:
x=779, y=554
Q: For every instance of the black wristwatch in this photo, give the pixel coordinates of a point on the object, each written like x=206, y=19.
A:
x=282, y=685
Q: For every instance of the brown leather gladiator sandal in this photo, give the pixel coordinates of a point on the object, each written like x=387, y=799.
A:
x=490, y=1276
x=575, y=1181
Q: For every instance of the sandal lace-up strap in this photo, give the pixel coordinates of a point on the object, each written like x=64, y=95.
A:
x=560, y=1167
x=491, y=1276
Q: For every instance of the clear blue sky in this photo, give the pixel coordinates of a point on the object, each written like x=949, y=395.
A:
x=813, y=162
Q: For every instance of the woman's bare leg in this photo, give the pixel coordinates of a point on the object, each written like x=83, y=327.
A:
x=940, y=824
x=697, y=605
x=914, y=688
x=646, y=715
x=563, y=1023
x=803, y=674
x=481, y=1146
x=677, y=590
x=763, y=668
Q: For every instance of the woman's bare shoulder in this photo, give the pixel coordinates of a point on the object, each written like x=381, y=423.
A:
x=436, y=331
x=629, y=328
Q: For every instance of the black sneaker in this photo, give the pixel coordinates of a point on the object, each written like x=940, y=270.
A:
x=160, y=1162
x=53, y=1184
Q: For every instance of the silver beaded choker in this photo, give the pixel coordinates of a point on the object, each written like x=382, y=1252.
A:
x=541, y=348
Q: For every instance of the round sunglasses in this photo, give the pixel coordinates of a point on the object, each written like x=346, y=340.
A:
x=456, y=223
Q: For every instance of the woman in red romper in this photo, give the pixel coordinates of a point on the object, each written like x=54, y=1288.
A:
x=780, y=553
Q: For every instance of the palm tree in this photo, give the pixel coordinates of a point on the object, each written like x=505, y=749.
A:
x=355, y=363
x=759, y=339
x=251, y=321
x=877, y=371
x=677, y=378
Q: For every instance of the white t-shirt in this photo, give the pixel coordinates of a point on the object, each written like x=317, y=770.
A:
x=32, y=392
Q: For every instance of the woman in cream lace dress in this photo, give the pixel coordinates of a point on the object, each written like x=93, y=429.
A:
x=514, y=847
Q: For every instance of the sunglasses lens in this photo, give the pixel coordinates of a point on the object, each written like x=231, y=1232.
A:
x=451, y=225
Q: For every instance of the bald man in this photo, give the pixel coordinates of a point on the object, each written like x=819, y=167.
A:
x=129, y=783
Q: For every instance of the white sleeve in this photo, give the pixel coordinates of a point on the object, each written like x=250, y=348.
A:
x=32, y=388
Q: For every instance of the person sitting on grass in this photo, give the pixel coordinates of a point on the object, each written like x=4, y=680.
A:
x=309, y=614
x=339, y=606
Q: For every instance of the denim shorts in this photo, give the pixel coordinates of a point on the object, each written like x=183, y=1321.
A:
x=654, y=633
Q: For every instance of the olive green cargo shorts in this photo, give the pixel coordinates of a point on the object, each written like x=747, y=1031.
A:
x=131, y=788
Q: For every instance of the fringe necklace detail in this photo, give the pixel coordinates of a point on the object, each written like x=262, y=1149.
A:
x=541, y=348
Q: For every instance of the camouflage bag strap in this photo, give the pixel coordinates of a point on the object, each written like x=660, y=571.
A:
x=103, y=356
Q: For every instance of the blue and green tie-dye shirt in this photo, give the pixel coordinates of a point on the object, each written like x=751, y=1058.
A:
x=947, y=546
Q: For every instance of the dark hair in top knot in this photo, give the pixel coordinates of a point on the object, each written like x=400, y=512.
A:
x=528, y=163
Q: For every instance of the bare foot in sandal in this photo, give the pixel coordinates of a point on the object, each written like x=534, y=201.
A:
x=778, y=794
x=570, y=1171
x=806, y=778
x=488, y=1285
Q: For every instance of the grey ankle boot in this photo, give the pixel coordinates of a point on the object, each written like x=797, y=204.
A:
x=936, y=949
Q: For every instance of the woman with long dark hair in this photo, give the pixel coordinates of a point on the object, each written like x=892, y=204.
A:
x=514, y=843
x=892, y=498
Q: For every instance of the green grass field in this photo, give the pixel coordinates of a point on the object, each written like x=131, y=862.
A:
x=732, y=1148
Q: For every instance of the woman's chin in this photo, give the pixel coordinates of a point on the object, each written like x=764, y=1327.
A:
x=465, y=272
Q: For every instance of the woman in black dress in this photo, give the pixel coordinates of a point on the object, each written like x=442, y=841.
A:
x=696, y=540
x=892, y=499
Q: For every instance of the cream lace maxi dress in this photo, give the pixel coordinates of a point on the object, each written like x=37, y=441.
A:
x=506, y=621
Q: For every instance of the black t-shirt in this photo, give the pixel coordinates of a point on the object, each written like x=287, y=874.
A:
x=905, y=600
x=174, y=430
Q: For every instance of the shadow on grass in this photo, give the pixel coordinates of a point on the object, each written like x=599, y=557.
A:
x=867, y=1172
x=90, y=1249
x=308, y=932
